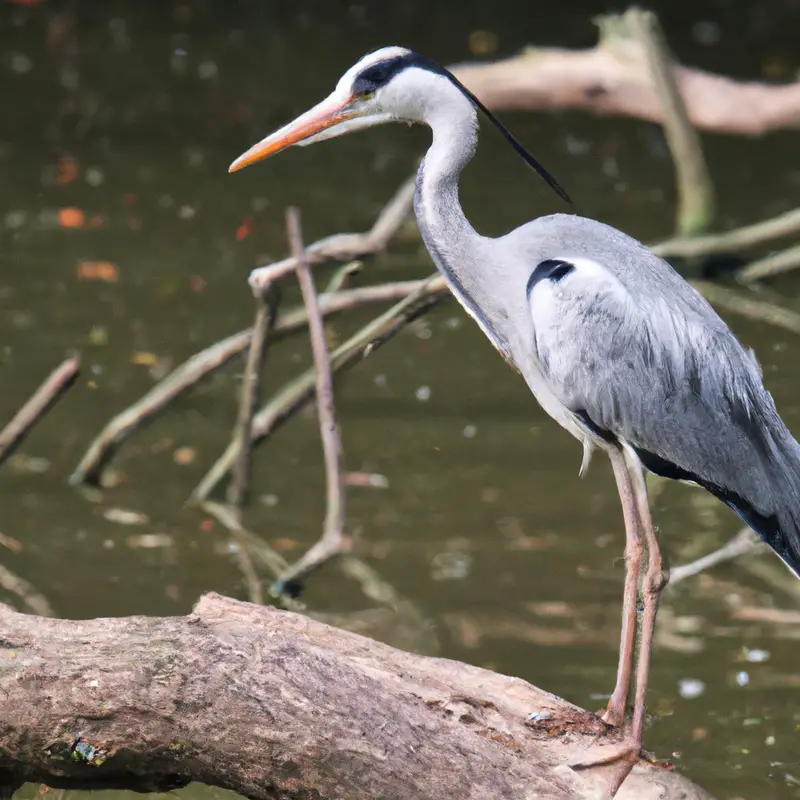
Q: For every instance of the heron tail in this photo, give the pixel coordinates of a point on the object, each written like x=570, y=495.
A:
x=780, y=530
x=774, y=514
x=770, y=503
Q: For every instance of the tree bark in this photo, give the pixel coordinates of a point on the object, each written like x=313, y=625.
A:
x=275, y=705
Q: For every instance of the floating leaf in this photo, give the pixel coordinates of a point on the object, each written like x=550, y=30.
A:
x=245, y=229
x=67, y=169
x=284, y=544
x=371, y=479
x=184, y=455
x=124, y=516
x=149, y=541
x=98, y=271
x=482, y=43
x=71, y=218
x=144, y=359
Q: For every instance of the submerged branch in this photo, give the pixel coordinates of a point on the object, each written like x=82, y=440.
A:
x=344, y=247
x=744, y=542
x=45, y=397
x=738, y=302
x=770, y=266
x=266, y=311
x=296, y=394
x=30, y=596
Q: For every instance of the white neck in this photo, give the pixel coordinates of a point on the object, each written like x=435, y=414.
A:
x=461, y=254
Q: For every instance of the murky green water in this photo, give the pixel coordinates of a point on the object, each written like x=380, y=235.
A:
x=484, y=526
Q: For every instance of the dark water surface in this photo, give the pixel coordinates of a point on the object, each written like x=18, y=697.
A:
x=131, y=112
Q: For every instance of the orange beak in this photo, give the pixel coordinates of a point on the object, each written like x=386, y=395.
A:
x=326, y=114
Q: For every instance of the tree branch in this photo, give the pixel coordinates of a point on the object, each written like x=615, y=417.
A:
x=275, y=705
x=695, y=189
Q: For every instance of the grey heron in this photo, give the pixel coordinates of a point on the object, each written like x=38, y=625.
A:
x=611, y=340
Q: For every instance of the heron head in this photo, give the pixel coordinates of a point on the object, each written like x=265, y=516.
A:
x=384, y=86
x=392, y=84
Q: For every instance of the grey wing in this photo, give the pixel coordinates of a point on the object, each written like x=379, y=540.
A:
x=664, y=374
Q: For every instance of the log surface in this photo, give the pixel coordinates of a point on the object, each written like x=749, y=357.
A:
x=276, y=705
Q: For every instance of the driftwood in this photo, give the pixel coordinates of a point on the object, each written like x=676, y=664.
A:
x=613, y=78
x=275, y=705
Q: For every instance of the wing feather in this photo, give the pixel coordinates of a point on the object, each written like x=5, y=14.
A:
x=675, y=384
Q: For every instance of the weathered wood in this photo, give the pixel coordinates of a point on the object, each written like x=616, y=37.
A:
x=276, y=705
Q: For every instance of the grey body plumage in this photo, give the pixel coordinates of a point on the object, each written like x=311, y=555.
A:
x=613, y=343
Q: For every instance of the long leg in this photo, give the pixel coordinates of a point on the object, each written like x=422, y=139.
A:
x=654, y=581
x=620, y=760
x=615, y=715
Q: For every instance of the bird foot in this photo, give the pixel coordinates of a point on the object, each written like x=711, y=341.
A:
x=613, y=755
x=613, y=717
x=615, y=762
x=628, y=751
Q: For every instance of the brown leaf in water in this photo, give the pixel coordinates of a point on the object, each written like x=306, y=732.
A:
x=98, y=271
x=71, y=217
x=67, y=169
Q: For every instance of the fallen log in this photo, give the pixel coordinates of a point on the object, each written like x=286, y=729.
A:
x=272, y=704
x=613, y=78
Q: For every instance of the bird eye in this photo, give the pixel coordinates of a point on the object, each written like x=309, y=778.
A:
x=367, y=95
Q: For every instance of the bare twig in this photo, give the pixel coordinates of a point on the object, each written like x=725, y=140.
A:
x=344, y=247
x=695, y=189
x=37, y=406
x=731, y=241
x=746, y=306
x=770, y=266
x=332, y=541
x=744, y=542
x=292, y=397
x=33, y=599
x=266, y=310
